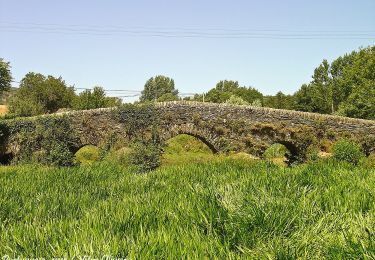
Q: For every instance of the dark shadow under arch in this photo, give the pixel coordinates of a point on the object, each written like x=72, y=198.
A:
x=6, y=159
x=294, y=154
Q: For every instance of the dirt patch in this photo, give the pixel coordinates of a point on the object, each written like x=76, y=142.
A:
x=3, y=109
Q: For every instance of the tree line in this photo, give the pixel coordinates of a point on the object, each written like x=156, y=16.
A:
x=344, y=87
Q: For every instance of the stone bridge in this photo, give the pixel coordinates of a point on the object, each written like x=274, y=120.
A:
x=222, y=127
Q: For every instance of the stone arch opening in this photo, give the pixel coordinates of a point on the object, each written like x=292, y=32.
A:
x=283, y=149
x=198, y=137
x=201, y=134
x=186, y=148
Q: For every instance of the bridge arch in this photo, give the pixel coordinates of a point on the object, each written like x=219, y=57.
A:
x=292, y=154
x=203, y=135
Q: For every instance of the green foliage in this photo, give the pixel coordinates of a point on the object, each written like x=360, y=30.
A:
x=5, y=76
x=58, y=154
x=235, y=100
x=312, y=153
x=184, y=149
x=159, y=87
x=145, y=156
x=136, y=118
x=120, y=156
x=87, y=155
x=360, y=103
x=168, y=97
x=221, y=210
x=94, y=99
x=346, y=150
x=257, y=103
x=225, y=89
x=280, y=101
x=345, y=87
x=38, y=94
x=46, y=140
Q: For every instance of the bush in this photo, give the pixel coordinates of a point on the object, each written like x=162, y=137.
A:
x=346, y=150
x=57, y=155
x=236, y=100
x=87, y=155
x=45, y=140
x=312, y=153
x=145, y=156
x=369, y=162
x=119, y=156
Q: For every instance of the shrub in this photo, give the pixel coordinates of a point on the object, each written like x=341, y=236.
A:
x=59, y=155
x=87, y=155
x=119, y=156
x=346, y=150
x=44, y=140
x=145, y=156
x=312, y=153
x=368, y=162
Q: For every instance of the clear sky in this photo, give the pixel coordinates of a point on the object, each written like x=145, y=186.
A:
x=64, y=38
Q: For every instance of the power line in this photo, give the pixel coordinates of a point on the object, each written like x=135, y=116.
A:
x=153, y=28
x=123, y=93
x=184, y=32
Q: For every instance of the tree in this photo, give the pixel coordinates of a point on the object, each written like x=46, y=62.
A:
x=168, y=97
x=280, y=101
x=5, y=76
x=158, y=86
x=323, y=89
x=360, y=103
x=235, y=100
x=38, y=94
x=226, y=88
x=94, y=99
x=345, y=87
x=303, y=99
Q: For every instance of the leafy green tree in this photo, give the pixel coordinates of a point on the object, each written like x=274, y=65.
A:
x=345, y=87
x=94, y=99
x=225, y=89
x=303, y=99
x=322, y=88
x=39, y=94
x=360, y=103
x=5, y=76
x=168, y=97
x=235, y=100
x=157, y=87
x=280, y=101
x=256, y=103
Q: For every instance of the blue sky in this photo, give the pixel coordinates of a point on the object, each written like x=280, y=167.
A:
x=122, y=61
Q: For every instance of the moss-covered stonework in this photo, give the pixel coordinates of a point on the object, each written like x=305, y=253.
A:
x=222, y=127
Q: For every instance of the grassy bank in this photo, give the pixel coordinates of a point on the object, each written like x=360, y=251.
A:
x=227, y=208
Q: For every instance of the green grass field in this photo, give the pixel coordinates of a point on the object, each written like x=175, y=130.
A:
x=210, y=208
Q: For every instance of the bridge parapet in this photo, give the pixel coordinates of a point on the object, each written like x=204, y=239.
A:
x=222, y=127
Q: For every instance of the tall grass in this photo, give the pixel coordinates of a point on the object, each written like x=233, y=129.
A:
x=223, y=209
